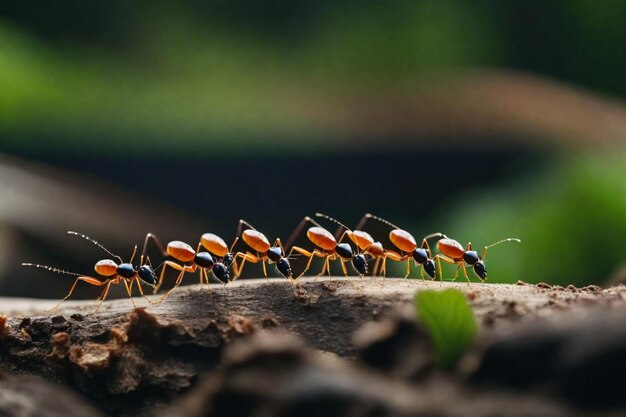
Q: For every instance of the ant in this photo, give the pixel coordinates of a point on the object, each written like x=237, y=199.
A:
x=363, y=241
x=192, y=261
x=329, y=249
x=366, y=243
x=111, y=273
x=257, y=241
x=454, y=253
x=405, y=241
x=216, y=245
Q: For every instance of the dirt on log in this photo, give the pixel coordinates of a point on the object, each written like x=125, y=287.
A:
x=128, y=361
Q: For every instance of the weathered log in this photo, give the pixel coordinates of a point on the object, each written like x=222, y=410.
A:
x=128, y=360
x=30, y=396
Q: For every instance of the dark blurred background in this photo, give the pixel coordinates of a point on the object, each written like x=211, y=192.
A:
x=483, y=120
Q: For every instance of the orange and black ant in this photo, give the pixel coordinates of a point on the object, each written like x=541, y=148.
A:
x=264, y=251
x=216, y=245
x=363, y=241
x=456, y=254
x=407, y=245
x=192, y=261
x=111, y=273
x=329, y=249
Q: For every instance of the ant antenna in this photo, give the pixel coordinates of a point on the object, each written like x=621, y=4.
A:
x=380, y=219
x=233, y=245
x=510, y=239
x=95, y=242
x=298, y=229
x=156, y=242
x=133, y=255
x=434, y=235
x=332, y=220
x=51, y=268
x=240, y=226
x=308, y=219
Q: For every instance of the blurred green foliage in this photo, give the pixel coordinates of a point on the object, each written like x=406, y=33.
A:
x=150, y=70
x=571, y=219
x=450, y=321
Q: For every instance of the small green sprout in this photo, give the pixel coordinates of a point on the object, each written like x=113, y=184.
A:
x=450, y=321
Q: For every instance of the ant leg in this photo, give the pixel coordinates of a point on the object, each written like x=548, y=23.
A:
x=376, y=268
x=343, y=267
x=408, y=268
x=244, y=257
x=141, y=290
x=89, y=280
x=179, y=279
x=456, y=272
x=129, y=291
x=383, y=267
x=440, y=268
x=309, y=255
x=444, y=258
x=104, y=295
x=161, y=276
x=204, y=273
x=422, y=273
x=466, y=276
x=326, y=266
x=394, y=257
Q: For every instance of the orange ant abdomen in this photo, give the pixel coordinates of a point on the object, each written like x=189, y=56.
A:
x=180, y=251
x=106, y=268
x=451, y=248
x=376, y=249
x=322, y=238
x=214, y=244
x=360, y=238
x=256, y=240
x=403, y=240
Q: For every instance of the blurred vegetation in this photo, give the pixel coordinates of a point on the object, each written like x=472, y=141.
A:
x=571, y=218
x=186, y=81
x=450, y=321
x=240, y=70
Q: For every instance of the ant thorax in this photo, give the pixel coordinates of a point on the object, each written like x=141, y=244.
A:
x=471, y=257
x=344, y=250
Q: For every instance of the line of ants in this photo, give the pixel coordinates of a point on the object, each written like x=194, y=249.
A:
x=213, y=256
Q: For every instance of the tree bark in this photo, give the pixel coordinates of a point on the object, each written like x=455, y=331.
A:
x=127, y=360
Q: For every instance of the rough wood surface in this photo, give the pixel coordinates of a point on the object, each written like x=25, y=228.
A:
x=129, y=359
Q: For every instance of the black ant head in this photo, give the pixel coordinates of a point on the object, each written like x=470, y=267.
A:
x=204, y=260
x=344, y=250
x=275, y=253
x=147, y=275
x=359, y=262
x=429, y=267
x=228, y=259
x=283, y=266
x=471, y=257
x=126, y=270
x=420, y=255
x=220, y=270
x=480, y=269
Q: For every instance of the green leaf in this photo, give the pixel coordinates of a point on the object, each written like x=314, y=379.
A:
x=450, y=321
